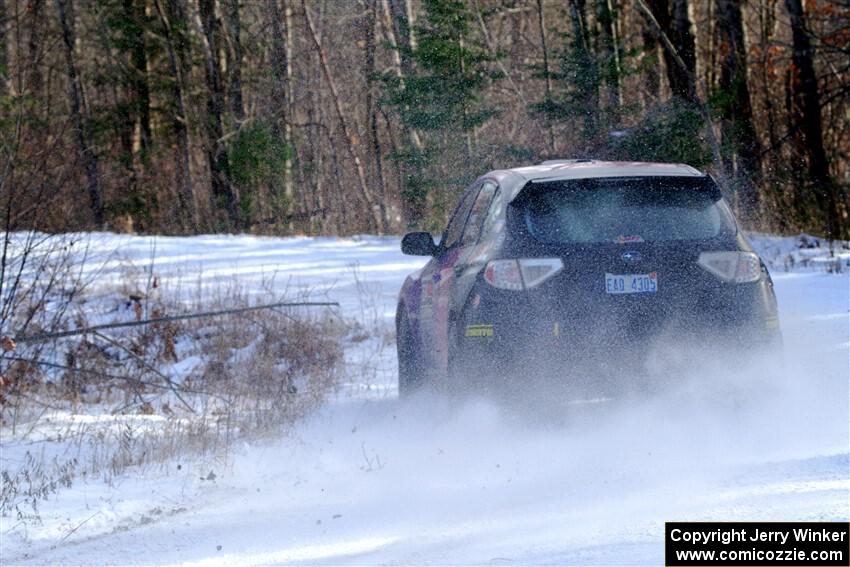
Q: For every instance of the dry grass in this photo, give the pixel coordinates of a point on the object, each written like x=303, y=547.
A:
x=94, y=405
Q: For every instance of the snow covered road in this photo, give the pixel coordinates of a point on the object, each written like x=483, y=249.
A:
x=372, y=480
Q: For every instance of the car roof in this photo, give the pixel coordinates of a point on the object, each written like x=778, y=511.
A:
x=554, y=170
x=513, y=180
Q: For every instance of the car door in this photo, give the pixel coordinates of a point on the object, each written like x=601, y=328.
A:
x=437, y=280
x=474, y=249
x=456, y=273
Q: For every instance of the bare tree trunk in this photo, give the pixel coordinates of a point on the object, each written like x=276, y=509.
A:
x=469, y=133
x=311, y=192
x=222, y=188
x=589, y=93
x=608, y=51
x=337, y=198
x=312, y=164
x=371, y=32
x=798, y=143
x=488, y=40
x=578, y=20
x=684, y=42
x=282, y=77
x=738, y=124
x=808, y=100
x=670, y=50
x=710, y=65
x=290, y=49
x=373, y=216
x=175, y=43
x=126, y=127
x=132, y=102
x=395, y=47
x=767, y=21
x=541, y=22
x=234, y=68
x=322, y=196
x=401, y=37
x=773, y=166
x=650, y=64
x=4, y=51
x=79, y=112
x=134, y=14
x=403, y=19
x=37, y=32
x=676, y=26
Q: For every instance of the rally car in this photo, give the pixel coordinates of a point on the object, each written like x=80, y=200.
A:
x=575, y=270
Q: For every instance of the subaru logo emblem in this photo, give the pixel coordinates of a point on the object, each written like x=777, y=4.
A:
x=630, y=256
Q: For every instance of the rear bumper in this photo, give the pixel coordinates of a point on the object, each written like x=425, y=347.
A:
x=535, y=337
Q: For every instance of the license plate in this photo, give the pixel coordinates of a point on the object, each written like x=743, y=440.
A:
x=631, y=283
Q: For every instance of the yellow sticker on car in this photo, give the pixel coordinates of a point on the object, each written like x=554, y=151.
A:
x=479, y=331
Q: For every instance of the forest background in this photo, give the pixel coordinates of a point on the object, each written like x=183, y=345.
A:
x=370, y=116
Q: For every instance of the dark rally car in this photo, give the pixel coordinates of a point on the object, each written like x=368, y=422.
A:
x=575, y=270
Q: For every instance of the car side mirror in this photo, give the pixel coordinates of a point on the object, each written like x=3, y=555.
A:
x=418, y=244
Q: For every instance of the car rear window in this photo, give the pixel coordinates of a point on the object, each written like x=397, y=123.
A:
x=623, y=211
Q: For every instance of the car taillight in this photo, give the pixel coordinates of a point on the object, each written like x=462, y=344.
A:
x=521, y=274
x=737, y=267
x=503, y=274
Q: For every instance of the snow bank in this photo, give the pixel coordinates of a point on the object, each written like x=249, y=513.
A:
x=371, y=480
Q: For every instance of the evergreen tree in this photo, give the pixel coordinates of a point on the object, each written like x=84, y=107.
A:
x=441, y=99
x=577, y=81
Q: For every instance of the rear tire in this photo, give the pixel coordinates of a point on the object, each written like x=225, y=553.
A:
x=468, y=374
x=410, y=371
x=457, y=381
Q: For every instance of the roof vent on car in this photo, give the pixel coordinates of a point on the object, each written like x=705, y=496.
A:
x=564, y=161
